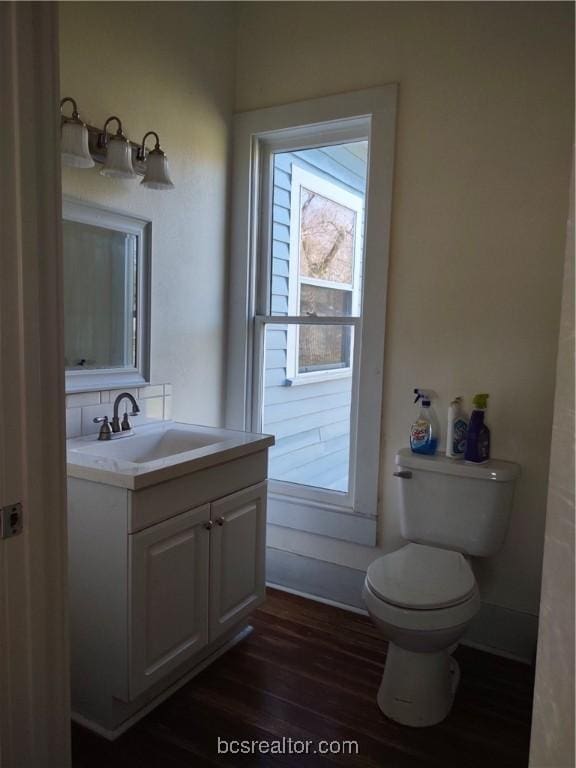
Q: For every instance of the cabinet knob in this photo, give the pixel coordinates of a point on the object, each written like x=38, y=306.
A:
x=220, y=521
x=209, y=525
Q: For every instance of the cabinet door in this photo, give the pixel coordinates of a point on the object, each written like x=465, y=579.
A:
x=169, y=596
x=237, y=557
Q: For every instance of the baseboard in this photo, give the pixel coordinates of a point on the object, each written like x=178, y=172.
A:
x=498, y=630
x=317, y=599
x=509, y=633
x=315, y=577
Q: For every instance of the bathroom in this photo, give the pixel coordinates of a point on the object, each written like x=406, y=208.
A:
x=470, y=179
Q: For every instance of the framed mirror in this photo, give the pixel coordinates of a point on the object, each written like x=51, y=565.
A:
x=106, y=257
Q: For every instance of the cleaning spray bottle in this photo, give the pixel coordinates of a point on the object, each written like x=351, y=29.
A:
x=456, y=431
x=478, y=439
x=425, y=430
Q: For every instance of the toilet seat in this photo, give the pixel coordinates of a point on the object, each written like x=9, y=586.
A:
x=421, y=578
x=436, y=619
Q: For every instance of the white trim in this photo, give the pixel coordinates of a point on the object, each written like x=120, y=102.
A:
x=317, y=599
x=312, y=515
x=116, y=378
x=312, y=377
x=256, y=135
x=34, y=662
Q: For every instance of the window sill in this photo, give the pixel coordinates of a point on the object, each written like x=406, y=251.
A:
x=328, y=520
x=313, y=378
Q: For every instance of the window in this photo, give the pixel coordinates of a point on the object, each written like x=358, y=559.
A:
x=325, y=262
x=309, y=269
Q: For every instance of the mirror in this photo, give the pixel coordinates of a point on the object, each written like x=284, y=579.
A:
x=106, y=301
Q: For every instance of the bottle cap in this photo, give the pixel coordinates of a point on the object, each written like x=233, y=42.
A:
x=480, y=401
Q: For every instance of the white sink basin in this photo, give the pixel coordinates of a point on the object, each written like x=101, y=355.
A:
x=142, y=448
x=158, y=452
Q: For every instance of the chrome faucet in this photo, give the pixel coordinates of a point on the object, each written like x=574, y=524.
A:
x=107, y=430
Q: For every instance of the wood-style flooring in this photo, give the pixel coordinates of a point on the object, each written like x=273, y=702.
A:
x=311, y=671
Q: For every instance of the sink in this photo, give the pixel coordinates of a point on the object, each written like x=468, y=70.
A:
x=156, y=444
x=158, y=452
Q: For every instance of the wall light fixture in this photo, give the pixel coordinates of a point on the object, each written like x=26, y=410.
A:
x=157, y=175
x=74, y=138
x=84, y=145
x=118, y=163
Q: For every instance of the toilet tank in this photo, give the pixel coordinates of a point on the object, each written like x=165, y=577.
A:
x=453, y=504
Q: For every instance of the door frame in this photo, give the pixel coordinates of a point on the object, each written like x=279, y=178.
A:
x=34, y=646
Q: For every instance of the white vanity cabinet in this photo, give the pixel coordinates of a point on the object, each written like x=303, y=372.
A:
x=169, y=568
x=237, y=557
x=193, y=578
x=162, y=581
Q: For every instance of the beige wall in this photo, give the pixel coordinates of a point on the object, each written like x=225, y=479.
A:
x=166, y=67
x=482, y=166
x=480, y=197
x=552, y=743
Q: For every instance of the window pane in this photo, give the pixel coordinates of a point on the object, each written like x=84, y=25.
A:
x=311, y=420
x=327, y=232
x=324, y=302
x=323, y=348
x=317, y=223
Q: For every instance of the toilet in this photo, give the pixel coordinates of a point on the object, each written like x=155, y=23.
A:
x=424, y=595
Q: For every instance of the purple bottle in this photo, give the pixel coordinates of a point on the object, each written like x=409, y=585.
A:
x=478, y=438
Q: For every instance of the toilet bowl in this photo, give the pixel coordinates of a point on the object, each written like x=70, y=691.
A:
x=424, y=595
x=422, y=599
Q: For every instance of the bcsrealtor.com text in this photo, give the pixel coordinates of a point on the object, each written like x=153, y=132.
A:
x=286, y=746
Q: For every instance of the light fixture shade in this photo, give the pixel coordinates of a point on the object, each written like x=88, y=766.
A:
x=74, y=145
x=118, y=163
x=157, y=175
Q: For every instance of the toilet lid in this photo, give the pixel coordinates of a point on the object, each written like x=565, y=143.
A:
x=421, y=577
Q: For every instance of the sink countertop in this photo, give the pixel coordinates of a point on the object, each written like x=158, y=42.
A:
x=144, y=458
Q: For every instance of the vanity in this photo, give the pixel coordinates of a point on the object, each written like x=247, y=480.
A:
x=167, y=545
x=167, y=522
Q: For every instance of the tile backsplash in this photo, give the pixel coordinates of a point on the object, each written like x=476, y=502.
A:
x=155, y=401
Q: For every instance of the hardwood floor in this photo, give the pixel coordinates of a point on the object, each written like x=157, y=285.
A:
x=311, y=671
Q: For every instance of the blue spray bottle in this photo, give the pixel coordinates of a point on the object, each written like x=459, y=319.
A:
x=425, y=431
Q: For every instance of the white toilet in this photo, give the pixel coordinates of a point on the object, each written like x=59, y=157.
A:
x=424, y=595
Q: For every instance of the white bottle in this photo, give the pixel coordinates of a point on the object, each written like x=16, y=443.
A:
x=456, y=431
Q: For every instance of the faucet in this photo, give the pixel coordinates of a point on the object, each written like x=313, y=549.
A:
x=107, y=429
x=125, y=426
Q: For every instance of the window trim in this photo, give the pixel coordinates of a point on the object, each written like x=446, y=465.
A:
x=328, y=189
x=254, y=135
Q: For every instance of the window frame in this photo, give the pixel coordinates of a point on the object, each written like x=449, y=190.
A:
x=328, y=189
x=369, y=113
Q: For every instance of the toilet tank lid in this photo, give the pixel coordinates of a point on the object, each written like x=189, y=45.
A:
x=494, y=469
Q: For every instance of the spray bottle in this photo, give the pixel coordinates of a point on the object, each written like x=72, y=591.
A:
x=478, y=439
x=456, y=431
x=425, y=431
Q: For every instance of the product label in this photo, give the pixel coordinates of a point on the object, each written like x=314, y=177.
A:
x=459, y=439
x=419, y=434
x=483, y=447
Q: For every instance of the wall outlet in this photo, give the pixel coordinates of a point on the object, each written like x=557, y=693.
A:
x=10, y=520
